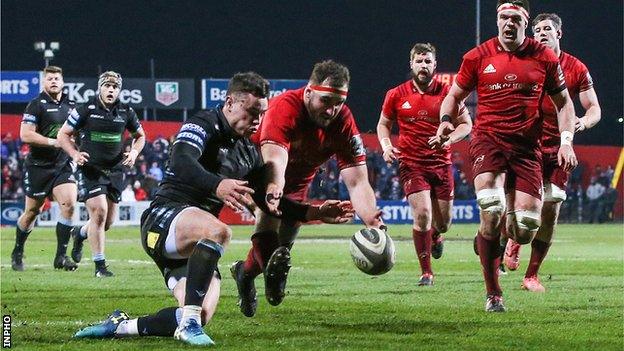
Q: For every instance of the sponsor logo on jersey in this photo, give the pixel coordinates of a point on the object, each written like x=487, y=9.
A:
x=118, y=118
x=406, y=105
x=510, y=77
x=167, y=93
x=193, y=127
x=93, y=115
x=423, y=113
x=489, y=69
x=52, y=109
x=152, y=238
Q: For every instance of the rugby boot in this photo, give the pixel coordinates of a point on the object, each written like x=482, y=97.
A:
x=192, y=333
x=78, y=241
x=275, y=275
x=247, y=297
x=17, y=260
x=106, y=329
x=512, y=255
x=437, y=246
x=532, y=284
x=103, y=272
x=494, y=303
x=63, y=262
x=426, y=280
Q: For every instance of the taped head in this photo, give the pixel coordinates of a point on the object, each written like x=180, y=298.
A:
x=110, y=77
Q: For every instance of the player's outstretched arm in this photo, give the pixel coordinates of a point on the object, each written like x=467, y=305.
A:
x=138, y=142
x=384, y=129
x=589, y=101
x=450, y=109
x=362, y=195
x=29, y=135
x=64, y=139
x=566, y=118
x=276, y=160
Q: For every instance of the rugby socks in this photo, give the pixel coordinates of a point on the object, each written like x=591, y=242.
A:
x=100, y=260
x=20, y=238
x=263, y=244
x=539, y=249
x=490, y=260
x=63, y=234
x=201, y=267
x=422, y=244
x=162, y=323
x=83, y=231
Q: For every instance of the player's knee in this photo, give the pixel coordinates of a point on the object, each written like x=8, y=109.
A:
x=492, y=201
x=98, y=216
x=553, y=193
x=422, y=219
x=32, y=212
x=67, y=209
x=220, y=233
x=527, y=223
x=442, y=227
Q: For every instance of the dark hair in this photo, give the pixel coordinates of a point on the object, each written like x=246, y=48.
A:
x=249, y=82
x=338, y=74
x=521, y=3
x=556, y=20
x=53, y=69
x=422, y=48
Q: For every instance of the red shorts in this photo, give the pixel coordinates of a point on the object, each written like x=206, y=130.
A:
x=553, y=173
x=438, y=178
x=523, y=166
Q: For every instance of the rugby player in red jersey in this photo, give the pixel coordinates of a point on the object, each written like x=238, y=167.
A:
x=301, y=130
x=547, y=30
x=424, y=161
x=512, y=75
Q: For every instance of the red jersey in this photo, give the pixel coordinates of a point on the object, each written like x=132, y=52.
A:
x=577, y=79
x=510, y=88
x=286, y=123
x=417, y=115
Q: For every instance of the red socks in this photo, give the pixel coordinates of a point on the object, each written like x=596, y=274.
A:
x=490, y=260
x=422, y=243
x=262, y=246
x=539, y=249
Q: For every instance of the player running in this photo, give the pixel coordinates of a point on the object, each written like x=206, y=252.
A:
x=547, y=30
x=425, y=162
x=100, y=124
x=47, y=169
x=511, y=74
x=301, y=130
x=212, y=163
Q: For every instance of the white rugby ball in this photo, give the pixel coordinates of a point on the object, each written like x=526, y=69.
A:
x=372, y=251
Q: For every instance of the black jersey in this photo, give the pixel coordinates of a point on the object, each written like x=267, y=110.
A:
x=206, y=140
x=101, y=131
x=48, y=116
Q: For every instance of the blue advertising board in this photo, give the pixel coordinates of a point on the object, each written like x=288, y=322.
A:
x=11, y=211
x=19, y=86
x=399, y=212
x=213, y=90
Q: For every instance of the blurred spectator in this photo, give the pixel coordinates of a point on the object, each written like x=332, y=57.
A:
x=463, y=188
x=156, y=172
x=127, y=194
x=139, y=193
x=594, y=198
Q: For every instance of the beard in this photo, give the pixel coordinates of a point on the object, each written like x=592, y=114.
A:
x=424, y=81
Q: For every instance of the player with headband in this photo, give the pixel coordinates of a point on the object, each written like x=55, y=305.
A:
x=511, y=74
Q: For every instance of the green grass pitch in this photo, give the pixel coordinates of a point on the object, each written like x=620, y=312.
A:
x=330, y=304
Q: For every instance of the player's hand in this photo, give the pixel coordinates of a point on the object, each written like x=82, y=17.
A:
x=566, y=158
x=332, y=211
x=445, y=128
x=390, y=154
x=439, y=142
x=579, y=124
x=80, y=157
x=273, y=197
x=234, y=193
x=130, y=157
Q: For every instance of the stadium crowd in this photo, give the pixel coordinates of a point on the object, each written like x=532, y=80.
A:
x=593, y=204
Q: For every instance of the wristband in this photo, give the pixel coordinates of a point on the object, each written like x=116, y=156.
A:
x=386, y=144
x=445, y=118
x=566, y=137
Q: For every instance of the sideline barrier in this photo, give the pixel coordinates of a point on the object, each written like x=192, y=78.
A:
x=129, y=213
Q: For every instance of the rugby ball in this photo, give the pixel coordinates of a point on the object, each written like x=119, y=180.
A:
x=372, y=251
